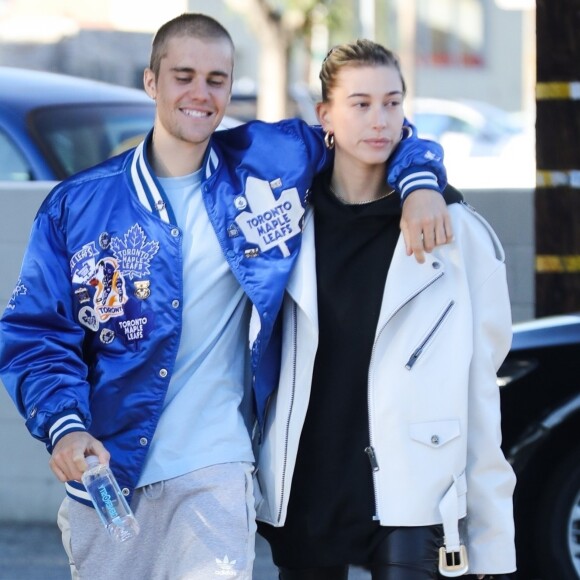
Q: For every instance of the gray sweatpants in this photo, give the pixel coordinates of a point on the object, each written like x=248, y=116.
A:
x=194, y=527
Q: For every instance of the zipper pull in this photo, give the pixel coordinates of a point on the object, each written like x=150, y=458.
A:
x=372, y=458
x=414, y=358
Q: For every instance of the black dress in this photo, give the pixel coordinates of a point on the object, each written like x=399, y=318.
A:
x=331, y=509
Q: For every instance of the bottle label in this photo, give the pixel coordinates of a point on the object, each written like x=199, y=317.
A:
x=108, y=501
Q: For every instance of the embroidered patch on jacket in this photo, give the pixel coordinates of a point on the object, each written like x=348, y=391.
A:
x=83, y=263
x=110, y=294
x=19, y=290
x=135, y=328
x=134, y=252
x=82, y=295
x=107, y=336
x=233, y=231
x=88, y=318
x=105, y=240
x=142, y=289
x=271, y=222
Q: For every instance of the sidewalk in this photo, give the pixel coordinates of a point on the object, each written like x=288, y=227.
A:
x=34, y=552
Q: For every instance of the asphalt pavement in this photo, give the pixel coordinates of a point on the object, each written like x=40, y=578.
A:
x=34, y=552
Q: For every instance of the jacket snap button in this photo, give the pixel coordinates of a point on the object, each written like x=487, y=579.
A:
x=174, y=232
x=163, y=373
x=436, y=265
x=125, y=491
x=143, y=441
x=435, y=439
x=175, y=303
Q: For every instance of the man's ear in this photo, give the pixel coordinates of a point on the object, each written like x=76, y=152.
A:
x=149, y=83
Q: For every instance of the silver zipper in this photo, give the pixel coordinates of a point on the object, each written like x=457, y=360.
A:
x=293, y=391
x=419, y=350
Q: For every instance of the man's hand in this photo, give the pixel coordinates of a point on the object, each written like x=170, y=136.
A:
x=68, y=456
x=425, y=222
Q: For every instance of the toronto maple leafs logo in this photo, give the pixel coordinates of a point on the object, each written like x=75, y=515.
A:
x=225, y=567
x=88, y=318
x=19, y=290
x=271, y=222
x=134, y=253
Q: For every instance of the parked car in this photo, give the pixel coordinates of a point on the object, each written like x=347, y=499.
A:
x=53, y=125
x=484, y=145
x=540, y=396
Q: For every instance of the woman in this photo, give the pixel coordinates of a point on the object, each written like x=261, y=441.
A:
x=381, y=447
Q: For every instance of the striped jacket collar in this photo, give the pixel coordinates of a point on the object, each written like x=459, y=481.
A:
x=149, y=190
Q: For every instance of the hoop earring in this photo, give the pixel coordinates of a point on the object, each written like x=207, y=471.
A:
x=329, y=140
x=406, y=132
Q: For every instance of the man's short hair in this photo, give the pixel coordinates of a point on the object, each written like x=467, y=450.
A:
x=187, y=24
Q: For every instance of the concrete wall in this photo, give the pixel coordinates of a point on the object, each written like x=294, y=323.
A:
x=511, y=214
x=29, y=491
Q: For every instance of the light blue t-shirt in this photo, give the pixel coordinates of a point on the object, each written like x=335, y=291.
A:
x=201, y=423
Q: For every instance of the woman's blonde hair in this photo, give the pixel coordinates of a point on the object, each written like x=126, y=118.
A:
x=361, y=52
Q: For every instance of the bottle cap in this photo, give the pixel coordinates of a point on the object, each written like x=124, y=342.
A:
x=92, y=461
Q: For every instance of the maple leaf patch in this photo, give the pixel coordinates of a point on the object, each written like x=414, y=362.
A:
x=271, y=222
x=134, y=253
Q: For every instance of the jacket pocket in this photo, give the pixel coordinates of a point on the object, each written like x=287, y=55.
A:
x=435, y=434
x=428, y=338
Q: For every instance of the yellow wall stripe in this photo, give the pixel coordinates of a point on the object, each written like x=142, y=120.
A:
x=569, y=264
x=558, y=90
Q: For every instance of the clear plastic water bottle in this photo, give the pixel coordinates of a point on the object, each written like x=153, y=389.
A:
x=108, y=500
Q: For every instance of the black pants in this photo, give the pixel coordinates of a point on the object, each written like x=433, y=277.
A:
x=405, y=554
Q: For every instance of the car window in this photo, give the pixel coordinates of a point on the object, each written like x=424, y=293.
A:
x=76, y=137
x=13, y=165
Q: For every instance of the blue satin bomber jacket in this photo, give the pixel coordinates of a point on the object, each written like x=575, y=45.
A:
x=88, y=340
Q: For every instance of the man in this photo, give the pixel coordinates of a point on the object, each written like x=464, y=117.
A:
x=126, y=336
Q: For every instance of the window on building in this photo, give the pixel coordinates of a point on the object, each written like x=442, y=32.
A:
x=451, y=32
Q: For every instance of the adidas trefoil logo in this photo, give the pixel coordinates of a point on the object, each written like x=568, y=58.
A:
x=226, y=567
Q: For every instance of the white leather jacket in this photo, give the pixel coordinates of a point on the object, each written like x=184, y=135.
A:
x=434, y=423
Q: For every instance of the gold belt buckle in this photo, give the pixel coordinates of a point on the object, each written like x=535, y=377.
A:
x=453, y=564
